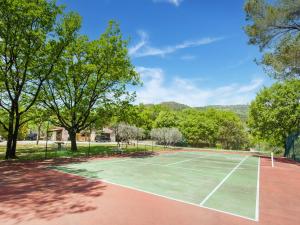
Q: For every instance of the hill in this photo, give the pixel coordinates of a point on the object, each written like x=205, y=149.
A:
x=174, y=105
x=241, y=110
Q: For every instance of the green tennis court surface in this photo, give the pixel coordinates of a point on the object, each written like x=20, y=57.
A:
x=223, y=182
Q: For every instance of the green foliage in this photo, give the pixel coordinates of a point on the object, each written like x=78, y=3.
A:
x=90, y=74
x=210, y=127
x=205, y=127
x=145, y=116
x=31, y=43
x=197, y=128
x=275, y=113
x=166, y=119
x=275, y=26
x=174, y=106
x=240, y=110
x=232, y=134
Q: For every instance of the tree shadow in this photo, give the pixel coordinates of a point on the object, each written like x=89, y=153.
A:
x=142, y=154
x=32, y=190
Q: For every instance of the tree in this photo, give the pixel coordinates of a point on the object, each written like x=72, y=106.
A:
x=38, y=119
x=159, y=135
x=198, y=128
x=90, y=74
x=166, y=135
x=166, y=118
x=124, y=132
x=31, y=42
x=275, y=26
x=275, y=112
x=231, y=132
x=139, y=134
x=144, y=116
x=173, y=136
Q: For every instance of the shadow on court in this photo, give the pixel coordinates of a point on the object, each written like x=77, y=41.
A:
x=30, y=190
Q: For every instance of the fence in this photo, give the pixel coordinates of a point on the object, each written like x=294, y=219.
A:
x=292, y=147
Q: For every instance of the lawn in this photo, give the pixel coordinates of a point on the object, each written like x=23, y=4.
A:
x=39, y=152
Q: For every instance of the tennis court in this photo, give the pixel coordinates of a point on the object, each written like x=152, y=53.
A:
x=228, y=183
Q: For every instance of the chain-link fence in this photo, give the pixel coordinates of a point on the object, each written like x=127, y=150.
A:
x=292, y=147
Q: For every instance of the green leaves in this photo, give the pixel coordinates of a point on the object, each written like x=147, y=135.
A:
x=90, y=75
x=32, y=42
x=275, y=113
x=209, y=127
x=166, y=119
x=275, y=27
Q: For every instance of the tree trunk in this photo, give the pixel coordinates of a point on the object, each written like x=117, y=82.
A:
x=38, y=134
x=15, y=136
x=72, y=135
x=9, y=154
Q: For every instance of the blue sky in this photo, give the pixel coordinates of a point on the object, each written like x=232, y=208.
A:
x=190, y=51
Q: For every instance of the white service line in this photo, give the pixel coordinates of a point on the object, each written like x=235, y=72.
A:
x=257, y=192
x=223, y=181
x=170, y=164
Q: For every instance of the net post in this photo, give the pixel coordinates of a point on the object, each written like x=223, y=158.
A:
x=272, y=158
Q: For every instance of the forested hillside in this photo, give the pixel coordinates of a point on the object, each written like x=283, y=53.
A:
x=240, y=110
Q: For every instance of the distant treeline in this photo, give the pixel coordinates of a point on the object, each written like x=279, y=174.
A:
x=208, y=127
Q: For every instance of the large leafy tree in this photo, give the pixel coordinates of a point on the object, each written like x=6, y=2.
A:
x=275, y=113
x=166, y=118
x=231, y=131
x=275, y=27
x=146, y=115
x=90, y=74
x=31, y=42
x=197, y=128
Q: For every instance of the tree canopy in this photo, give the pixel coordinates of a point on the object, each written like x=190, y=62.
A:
x=275, y=27
x=275, y=113
x=89, y=74
x=32, y=40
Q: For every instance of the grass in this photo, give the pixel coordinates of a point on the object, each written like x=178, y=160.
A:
x=28, y=152
x=34, y=152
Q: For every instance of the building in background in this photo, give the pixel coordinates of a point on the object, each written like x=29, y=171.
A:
x=61, y=134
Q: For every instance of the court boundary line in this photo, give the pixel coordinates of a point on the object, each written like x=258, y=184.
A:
x=257, y=191
x=158, y=195
x=223, y=181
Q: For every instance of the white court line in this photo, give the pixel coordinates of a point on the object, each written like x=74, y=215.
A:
x=170, y=164
x=223, y=181
x=257, y=192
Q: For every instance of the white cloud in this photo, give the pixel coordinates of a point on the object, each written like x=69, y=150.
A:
x=143, y=48
x=156, y=89
x=144, y=39
x=173, y=2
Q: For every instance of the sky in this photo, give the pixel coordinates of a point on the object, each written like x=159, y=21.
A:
x=194, y=52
